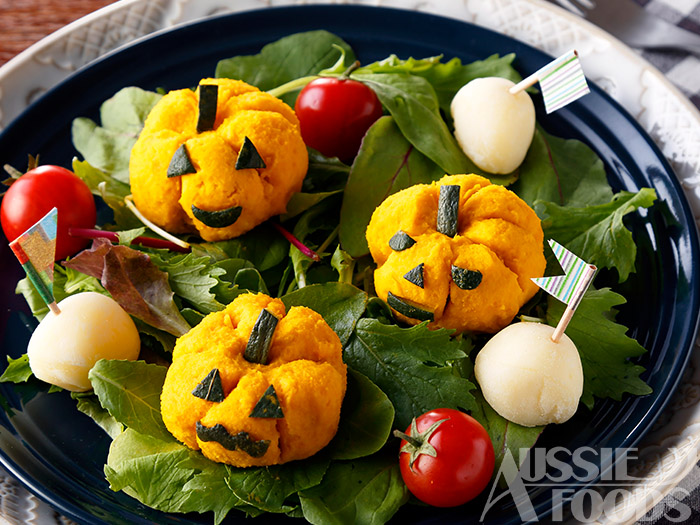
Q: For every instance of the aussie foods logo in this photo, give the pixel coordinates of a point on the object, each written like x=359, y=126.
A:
x=609, y=492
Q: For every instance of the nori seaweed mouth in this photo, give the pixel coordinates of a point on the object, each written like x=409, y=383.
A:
x=410, y=308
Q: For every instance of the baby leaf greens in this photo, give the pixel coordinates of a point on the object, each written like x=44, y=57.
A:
x=386, y=163
x=605, y=352
x=394, y=373
x=126, y=391
x=137, y=284
x=275, y=65
x=411, y=365
x=107, y=147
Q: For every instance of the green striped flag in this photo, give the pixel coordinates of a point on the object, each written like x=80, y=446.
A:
x=35, y=249
x=562, y=81
x=570, y=287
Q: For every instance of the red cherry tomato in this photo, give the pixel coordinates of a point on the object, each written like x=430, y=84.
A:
x=335, y=113
x=461, y=466
x=39, y=190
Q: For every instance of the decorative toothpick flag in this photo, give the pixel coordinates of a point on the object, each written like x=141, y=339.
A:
x=35, y=249
x=570, y=287
x=562, y=81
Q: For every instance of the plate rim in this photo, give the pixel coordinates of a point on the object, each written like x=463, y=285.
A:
x=608, y=99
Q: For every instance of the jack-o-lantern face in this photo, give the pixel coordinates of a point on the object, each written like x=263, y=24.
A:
x=459, y=253
x=252, y=385
x=217, y=161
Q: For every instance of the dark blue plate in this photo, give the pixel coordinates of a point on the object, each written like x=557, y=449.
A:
x=59, y=454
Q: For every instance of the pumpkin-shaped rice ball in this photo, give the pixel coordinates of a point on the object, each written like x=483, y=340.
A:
x=252, y=385
x=217, y=161
x=459, y=253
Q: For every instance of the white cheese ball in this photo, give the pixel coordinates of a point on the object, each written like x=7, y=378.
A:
x=493, y=127
x=528, y=378
x=90, y=327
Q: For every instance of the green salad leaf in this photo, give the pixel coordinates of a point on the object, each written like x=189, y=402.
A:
x=107, y=147
x=89, y=404
x=127, y=237
x=270, y=488
x=411, y=100
x=192, y=278
x=340, y=304
x=17, y=371
x=277, y=64
x=411, y=366
x=367, y=490
x=167, y=476
x=562, y=171
x=597, y=233
x=263, y=246
x=446, y=77
x=606, y=351
x=111, y=190
x=366, y=419
x=385, y=164
x=505, y=435
x=130, y=392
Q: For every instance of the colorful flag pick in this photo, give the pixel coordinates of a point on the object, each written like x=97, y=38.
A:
x=35, y=249
x=562, y=81
x=570, y=287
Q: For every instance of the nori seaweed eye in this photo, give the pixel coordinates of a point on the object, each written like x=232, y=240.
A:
x=208, y=98
x=210, y=388
x=415, y=275
x=268, y=406
x=448, y=210
x=409, y=310
x=260, y=338
x=466, y=279
x=217, y=218
x=249, y=157
x=240, y=441
x=401, y=241
x=180, y=163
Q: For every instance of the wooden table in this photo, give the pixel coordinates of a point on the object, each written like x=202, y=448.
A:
x=24, y=22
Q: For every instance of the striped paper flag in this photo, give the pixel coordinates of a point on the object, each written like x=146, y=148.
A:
x=570, y=287
x=562, y=81
x=35, y=249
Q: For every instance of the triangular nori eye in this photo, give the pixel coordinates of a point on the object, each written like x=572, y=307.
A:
x=401, y=241
x=180, y=163
x=415, y=275
x=260, y=338
x=210, y=388
x=268, y=406
x=448, y=210
x=217, y=218
x=240, y=441
x=208, y=95
x=466, y=279
x=249, y=157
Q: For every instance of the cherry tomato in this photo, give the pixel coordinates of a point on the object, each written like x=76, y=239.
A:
x=335, y=113
x=39, y=190
x=462, y=463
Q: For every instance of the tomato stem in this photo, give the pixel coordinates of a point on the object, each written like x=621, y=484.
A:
x=346, y=74
x=408, y=439
x=292, y=85
x=418, y=443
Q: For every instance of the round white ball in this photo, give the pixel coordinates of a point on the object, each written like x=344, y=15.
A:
x=90, y=327
x=493, y=127
x=528, y=378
